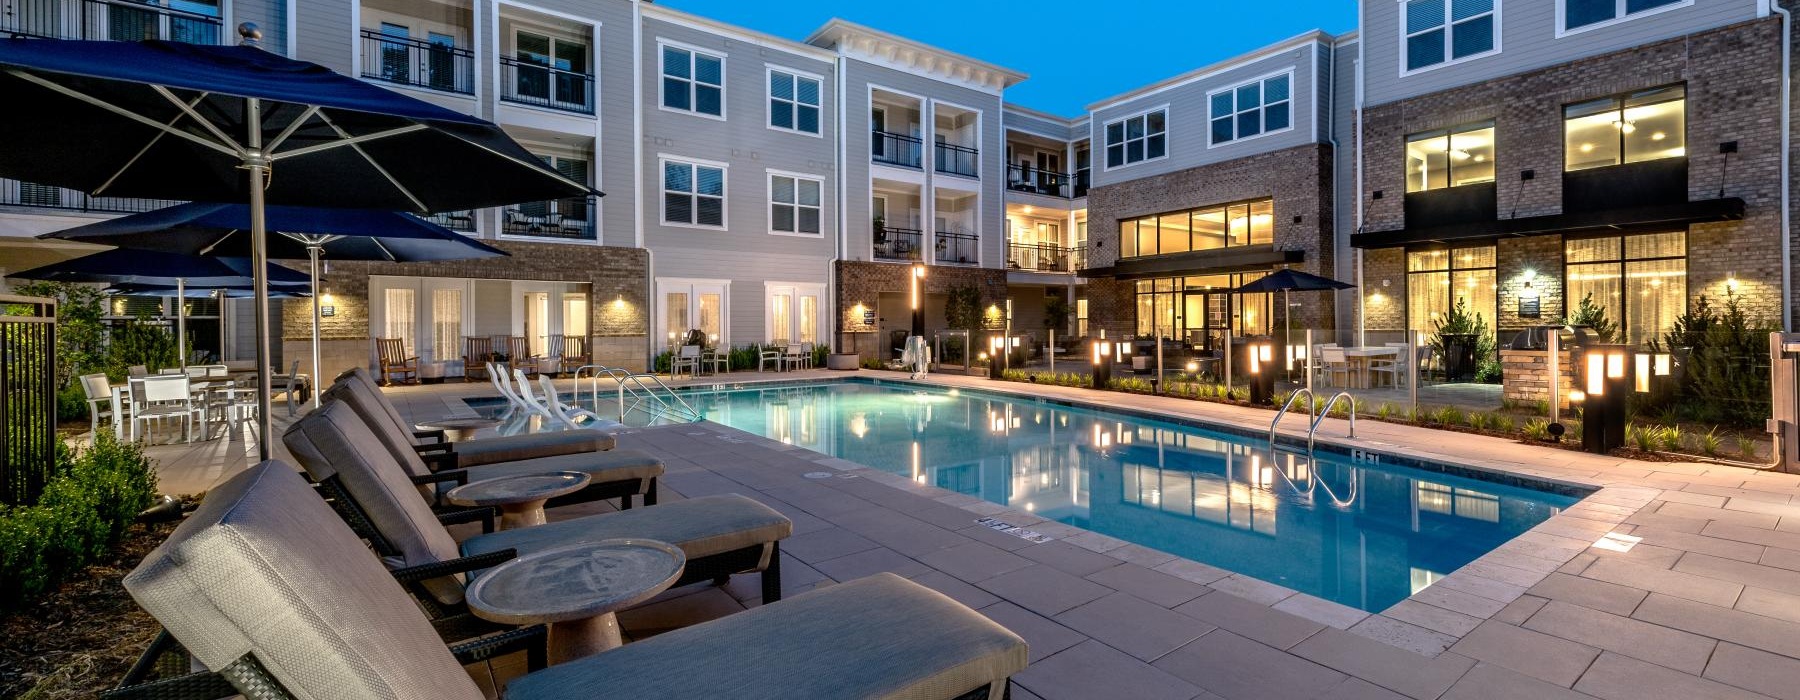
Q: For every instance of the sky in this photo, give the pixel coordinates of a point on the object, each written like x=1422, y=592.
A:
x=1076, y=51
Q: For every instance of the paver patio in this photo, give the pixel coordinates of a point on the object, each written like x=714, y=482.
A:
x=1706, y=605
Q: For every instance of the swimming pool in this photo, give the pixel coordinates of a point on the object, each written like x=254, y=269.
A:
x=1360, y=533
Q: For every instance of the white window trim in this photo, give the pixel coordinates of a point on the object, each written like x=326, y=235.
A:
x=1293, y=101
x=1562, y=18
x=797, y=289
x=724, y=68
x=694, y=286
x=928, y=139
x=1167, y=142
x=770, y=196
x=1448, y=47
x=662, y=161
x=769, y=71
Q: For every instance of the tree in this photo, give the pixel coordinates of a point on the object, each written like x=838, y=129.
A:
x=962, y=308
x=80, y=334
x=1056, y=314
x=1594, y=317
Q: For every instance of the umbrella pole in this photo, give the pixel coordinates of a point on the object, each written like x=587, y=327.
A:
x=219, y=298
x=258, y=168
x=312, y=252
x=181, y=322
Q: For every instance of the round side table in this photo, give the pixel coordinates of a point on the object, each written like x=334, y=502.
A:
x=521, y=498
x=577, y=589
x=459, y=429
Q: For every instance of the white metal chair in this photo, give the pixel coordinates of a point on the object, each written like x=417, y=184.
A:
x=795, y=357
x=767, y=354
x=164, y=397
x=1335, y=363
x=716, y=360
x=1394, y=367
x=99, y=399
x=291, y=384
x=138, y=371
x=688, y=357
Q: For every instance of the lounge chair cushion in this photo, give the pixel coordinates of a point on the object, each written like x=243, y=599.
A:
x=357, y=387
x=701, y=527
x=265, y=567
x=616, y=465
x=333, y=441
x=876, y=637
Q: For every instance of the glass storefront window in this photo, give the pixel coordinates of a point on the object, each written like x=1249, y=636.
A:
x=1462, y=155
x=1438, y=280
x=1630, y=128
x=1640, y=281
x=1196, y=310
x=1246, y=223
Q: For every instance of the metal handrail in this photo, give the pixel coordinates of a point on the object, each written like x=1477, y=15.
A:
x=639, y=391
x=1283, y=413
x=1327, y=412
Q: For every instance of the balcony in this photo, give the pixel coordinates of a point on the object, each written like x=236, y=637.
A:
x=569, y=219
x=539, y=85
x=107, y=20
x=900, y=244
x=1020, y=178
x=413, y=62
x=1043, y=257
x=952, y=159
x=463, y=221
x=1081, y=183
x=958, y=248
x=31, y=194
x=895, y=149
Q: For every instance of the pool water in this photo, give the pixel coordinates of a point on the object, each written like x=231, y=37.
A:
x=1359, y=533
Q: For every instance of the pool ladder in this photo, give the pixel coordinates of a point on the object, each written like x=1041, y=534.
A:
x=647, y=393
x=1313, y=429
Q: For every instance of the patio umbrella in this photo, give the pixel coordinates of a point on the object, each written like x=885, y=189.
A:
x=1290, y=280
x=169, y=120
x=204, y=228
x=159, y=269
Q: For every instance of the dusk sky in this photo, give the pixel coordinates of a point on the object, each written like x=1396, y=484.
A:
x=1075, y=52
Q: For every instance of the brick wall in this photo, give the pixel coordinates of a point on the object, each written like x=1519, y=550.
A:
x=1297, y=179
x=1539, y=258
x=862, y=283
x=1384, y=293
x=1528, y=376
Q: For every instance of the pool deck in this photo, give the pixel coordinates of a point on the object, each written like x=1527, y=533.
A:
x=1706, y=604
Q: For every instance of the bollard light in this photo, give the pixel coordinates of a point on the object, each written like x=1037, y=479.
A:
x=1577, y=396
x=1663, y=363
x=1295, y=353
x=1596, y=374
x=1099, y=352
x=1641, y=375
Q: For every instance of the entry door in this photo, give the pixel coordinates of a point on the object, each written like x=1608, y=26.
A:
x=537, y=321
x=689, y=305
x=794, y=312
x=444, y=310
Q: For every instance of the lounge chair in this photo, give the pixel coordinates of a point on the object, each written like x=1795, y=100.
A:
x=721, y=535
x=472, y=453
x=617, y=474
x=262, y=584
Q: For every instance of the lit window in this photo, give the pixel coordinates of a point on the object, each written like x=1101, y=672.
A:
x=1631, y=128
x=1582, y=13
x=1640, y=282
x=1248, y=110
x=1136, y=139
x=793, y=102
x=1438, y=280
x=1438, y=31
x=1247, y=223
x=1450, y=157
x=693, y=194
x=693, y=81
x=794, y=204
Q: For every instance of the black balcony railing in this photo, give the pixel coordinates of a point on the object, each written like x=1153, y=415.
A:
x=895, y=149
x=106, y=20
x=958, y=248
x=532, y=83
x=1042, y=257
x=558, y=218
x=898, y=243
x=957, y=160
x=454, y=220
x=426, y=64
x=1081, y=184
x=31, y=194
x=1021, y=178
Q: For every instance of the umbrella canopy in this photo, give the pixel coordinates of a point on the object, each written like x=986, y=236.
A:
x=243, y=291
x=1293, y=281
x=206, y=228
x=171, y=120
x=126, y=266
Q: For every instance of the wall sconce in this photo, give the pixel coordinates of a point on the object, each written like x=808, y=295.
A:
x=1731, y=283
x=619, y=302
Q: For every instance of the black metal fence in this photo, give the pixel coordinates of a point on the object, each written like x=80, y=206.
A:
x=1021, y=178
x=27, y=397
x=958, y=248
x=536, y=84
x=898, y=243
x=416, y=62
x=31, y=194
x=895, y=149
x=105, y=20
x=556, y=218
x=957, y=160
x=1041, y=257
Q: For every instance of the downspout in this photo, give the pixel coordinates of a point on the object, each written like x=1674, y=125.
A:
x=637, y=182
x=1787, y=81
x=1362, y=325
x=1331, y=138
x=843, y=215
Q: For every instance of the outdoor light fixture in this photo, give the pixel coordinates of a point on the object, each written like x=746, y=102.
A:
x=1193, y=367
x=1295, y=353
x=1577, y=396
x=918, y=299
x=1650, y=365
x=1596, y=374
x=1641, y=377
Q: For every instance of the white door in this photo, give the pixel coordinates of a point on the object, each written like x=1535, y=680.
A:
x=688, y=305
x=445, y=312
x=795, y=312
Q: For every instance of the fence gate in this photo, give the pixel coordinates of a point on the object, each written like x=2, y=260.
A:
x=27, y=397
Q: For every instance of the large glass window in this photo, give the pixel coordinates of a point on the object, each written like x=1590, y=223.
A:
x=1438, y=31
x=693, y=194
x=1462, y=155
x=1137, y=138
x=693, y=81
x=794, y=205
x=1244, y=223
x=1583, y=13
x=1640, y=281
x=1250, y=109
x=793, y=102
x=1630, y=128
x=446, y=323
x=1197, y=310
x=402, y=315
x=1438, y=280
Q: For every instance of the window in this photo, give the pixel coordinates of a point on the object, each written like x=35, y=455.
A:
x=693, y=194
x=794, y=204
x=401, y=315
x=550, y=69
x=575, y=314
x=693, y=81
x=1438, y=280
x=1587, y=13
x=1450, y=157
x=1254, y=108
x=1245, y=223
x=1641, y=281
x=794, y=312
x=793, y=102
x=1441, y=31
x=1630, y=128
x=1137, y=139
x=446, y=323
x=1198, y=310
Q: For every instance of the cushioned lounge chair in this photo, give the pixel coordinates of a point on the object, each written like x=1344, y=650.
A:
x=721, y=535
x=617, y=474
x=262, y=584
x=485, y=450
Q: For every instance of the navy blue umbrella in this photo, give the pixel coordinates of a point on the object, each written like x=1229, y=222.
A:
x=234, y=291
x=1291, y=280
x=237, y=124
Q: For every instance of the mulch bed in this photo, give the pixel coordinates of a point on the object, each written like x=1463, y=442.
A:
x=80, y=639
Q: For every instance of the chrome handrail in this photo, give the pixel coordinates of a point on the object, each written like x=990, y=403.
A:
x=638, y=390
x=1284, y=409
x=1327, y=412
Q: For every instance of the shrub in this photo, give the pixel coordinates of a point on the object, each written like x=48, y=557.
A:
x=1478, y=420
x=139, y=342
x=1537, y=429
x=1644, y=437
x=1710, y=442
x=83, y=513
x=1501, y=423
x=1385, y=412
x=1593, y=315
x=1746, y=448
x=1014, y=375
x=1448, y=415
x=1671, y=438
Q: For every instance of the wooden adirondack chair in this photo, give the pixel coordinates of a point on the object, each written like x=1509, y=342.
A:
x=575, y=353
x=478, y=350
x=394, y=360
x=518, y=348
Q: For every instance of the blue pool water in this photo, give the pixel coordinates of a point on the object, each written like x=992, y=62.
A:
x=1362, y=534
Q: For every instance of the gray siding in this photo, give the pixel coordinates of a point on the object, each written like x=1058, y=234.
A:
x=269, y=15
x=1189, y=124
x=1060, y=130
x=1527, y=41
x=747, y=273
x=325, y=33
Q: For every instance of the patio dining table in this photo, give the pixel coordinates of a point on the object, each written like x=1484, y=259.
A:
x=1360, y=358
x=121, y=394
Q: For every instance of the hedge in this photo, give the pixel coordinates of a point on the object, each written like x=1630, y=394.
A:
x=84, y=512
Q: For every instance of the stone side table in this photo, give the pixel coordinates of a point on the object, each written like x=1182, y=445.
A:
x=459, y=429
x=521, y=498
x=577, y=589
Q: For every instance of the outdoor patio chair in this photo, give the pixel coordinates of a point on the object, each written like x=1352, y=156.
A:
x=721, y=535
x=572, y=417
x=263, y=585
x=99, y=399
x=291, y=385
x=1332, y=364
x=478, y=351
x=575, y=353
x=164, y=397
x=794, y=357
x=138, y=371
x=394, y=360
x=518, y=354
x=687, y=357
x=528, y=398
x=769, y=353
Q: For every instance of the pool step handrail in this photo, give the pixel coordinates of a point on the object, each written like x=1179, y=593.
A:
x=1326, y=412
x=1284, y=410
x=656, y=396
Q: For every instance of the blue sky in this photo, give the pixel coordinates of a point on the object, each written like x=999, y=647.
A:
x=1076, y=51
